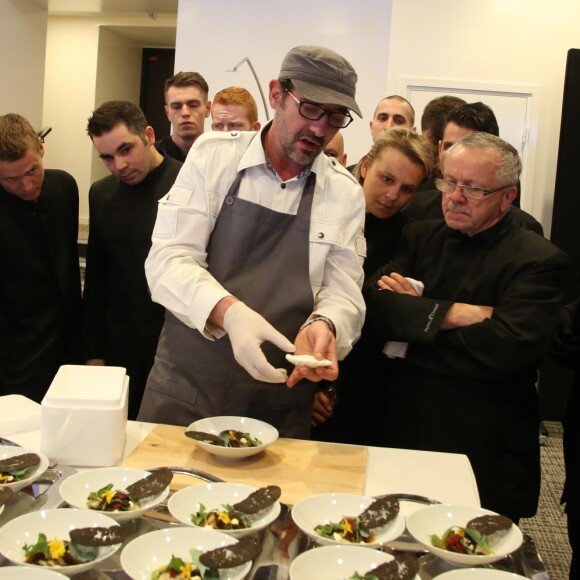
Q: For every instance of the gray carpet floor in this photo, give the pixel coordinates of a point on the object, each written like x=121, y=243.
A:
x=548, y=526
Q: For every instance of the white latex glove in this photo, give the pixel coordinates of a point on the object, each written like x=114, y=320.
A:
x=247, y=331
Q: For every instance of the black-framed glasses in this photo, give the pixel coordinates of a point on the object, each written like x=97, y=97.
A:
x=467, y=191
x=314, y=112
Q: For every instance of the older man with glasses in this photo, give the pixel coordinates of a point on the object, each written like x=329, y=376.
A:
x=465, y=380
x=260, y=240
x=464, y=119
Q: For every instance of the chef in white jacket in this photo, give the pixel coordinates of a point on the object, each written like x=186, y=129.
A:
x=257, y=252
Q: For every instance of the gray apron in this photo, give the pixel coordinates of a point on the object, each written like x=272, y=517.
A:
x=262, y=257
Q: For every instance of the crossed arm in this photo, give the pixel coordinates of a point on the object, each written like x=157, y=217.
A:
x=458, y=315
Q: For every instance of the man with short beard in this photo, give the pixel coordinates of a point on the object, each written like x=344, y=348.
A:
x=121, y=324
x=279, y=261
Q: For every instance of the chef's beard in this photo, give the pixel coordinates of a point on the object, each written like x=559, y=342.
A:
x=296, y=153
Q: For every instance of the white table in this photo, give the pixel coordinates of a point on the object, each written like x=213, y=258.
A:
x=446, y=477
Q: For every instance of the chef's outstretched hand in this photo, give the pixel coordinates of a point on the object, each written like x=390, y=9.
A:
x=317, y=340
x=247, y=331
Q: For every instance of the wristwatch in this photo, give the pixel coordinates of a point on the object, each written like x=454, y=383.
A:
x=323, y=319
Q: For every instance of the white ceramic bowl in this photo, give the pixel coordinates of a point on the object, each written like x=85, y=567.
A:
x=5, y=502
x=55, y=523
x=7, y=451
x=187, y=501
x=479, y=574
x=28, y=573
x=332, y=562
x=332, y=507
x=76, y=489
x=436, y=519
x=215, y=425
x=146, y=553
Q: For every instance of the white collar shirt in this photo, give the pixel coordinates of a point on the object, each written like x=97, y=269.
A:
x=176, y=267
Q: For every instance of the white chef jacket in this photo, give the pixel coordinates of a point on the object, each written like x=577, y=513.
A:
x=176, y=267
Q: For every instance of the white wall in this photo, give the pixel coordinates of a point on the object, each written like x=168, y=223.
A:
x=69, y=95
x=214, y=36
x=499, y=41
x=22, y=44
x=118, y=78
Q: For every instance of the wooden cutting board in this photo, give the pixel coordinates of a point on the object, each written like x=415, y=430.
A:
x=300, y=468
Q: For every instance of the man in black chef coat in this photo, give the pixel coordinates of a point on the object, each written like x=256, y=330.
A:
x=491, y=298
x=121, y=324
x=187, y=107
x=40, y=288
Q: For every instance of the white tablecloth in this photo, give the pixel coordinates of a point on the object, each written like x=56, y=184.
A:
x=445, y=477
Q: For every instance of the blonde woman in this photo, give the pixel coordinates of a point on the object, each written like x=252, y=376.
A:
x=390, y=174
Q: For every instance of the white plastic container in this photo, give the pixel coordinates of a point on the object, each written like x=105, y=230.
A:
x=84, y=416
x=18, y=414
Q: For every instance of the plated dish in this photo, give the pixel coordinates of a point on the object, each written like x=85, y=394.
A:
x=190, y=503
x=21, y=533
x=327, y=509
x=144, y=555
x=437, y=519
x=21, y=477
x=6, y=494
x=260, y=435
x=77, y=489
x=479, y=574
x=337, y=563
x=27, y=573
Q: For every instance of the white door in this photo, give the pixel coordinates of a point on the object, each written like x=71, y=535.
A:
x=515, y=107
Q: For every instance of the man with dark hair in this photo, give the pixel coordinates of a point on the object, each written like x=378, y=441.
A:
x=392, y=111
x=461, y=121
x=187, y=106
x=40, y=284
x=475, y=336
x=434, y=119
x=121, y=323
x=234, y=109
x=468, y=118
x=260, y=240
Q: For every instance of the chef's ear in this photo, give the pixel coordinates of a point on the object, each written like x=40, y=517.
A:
x=276, y=93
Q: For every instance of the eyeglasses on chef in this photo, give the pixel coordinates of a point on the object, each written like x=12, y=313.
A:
x=467, y=191
x=314, y=112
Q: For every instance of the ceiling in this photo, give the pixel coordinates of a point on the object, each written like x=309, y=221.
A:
x=151, y=36
x=112, y=6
